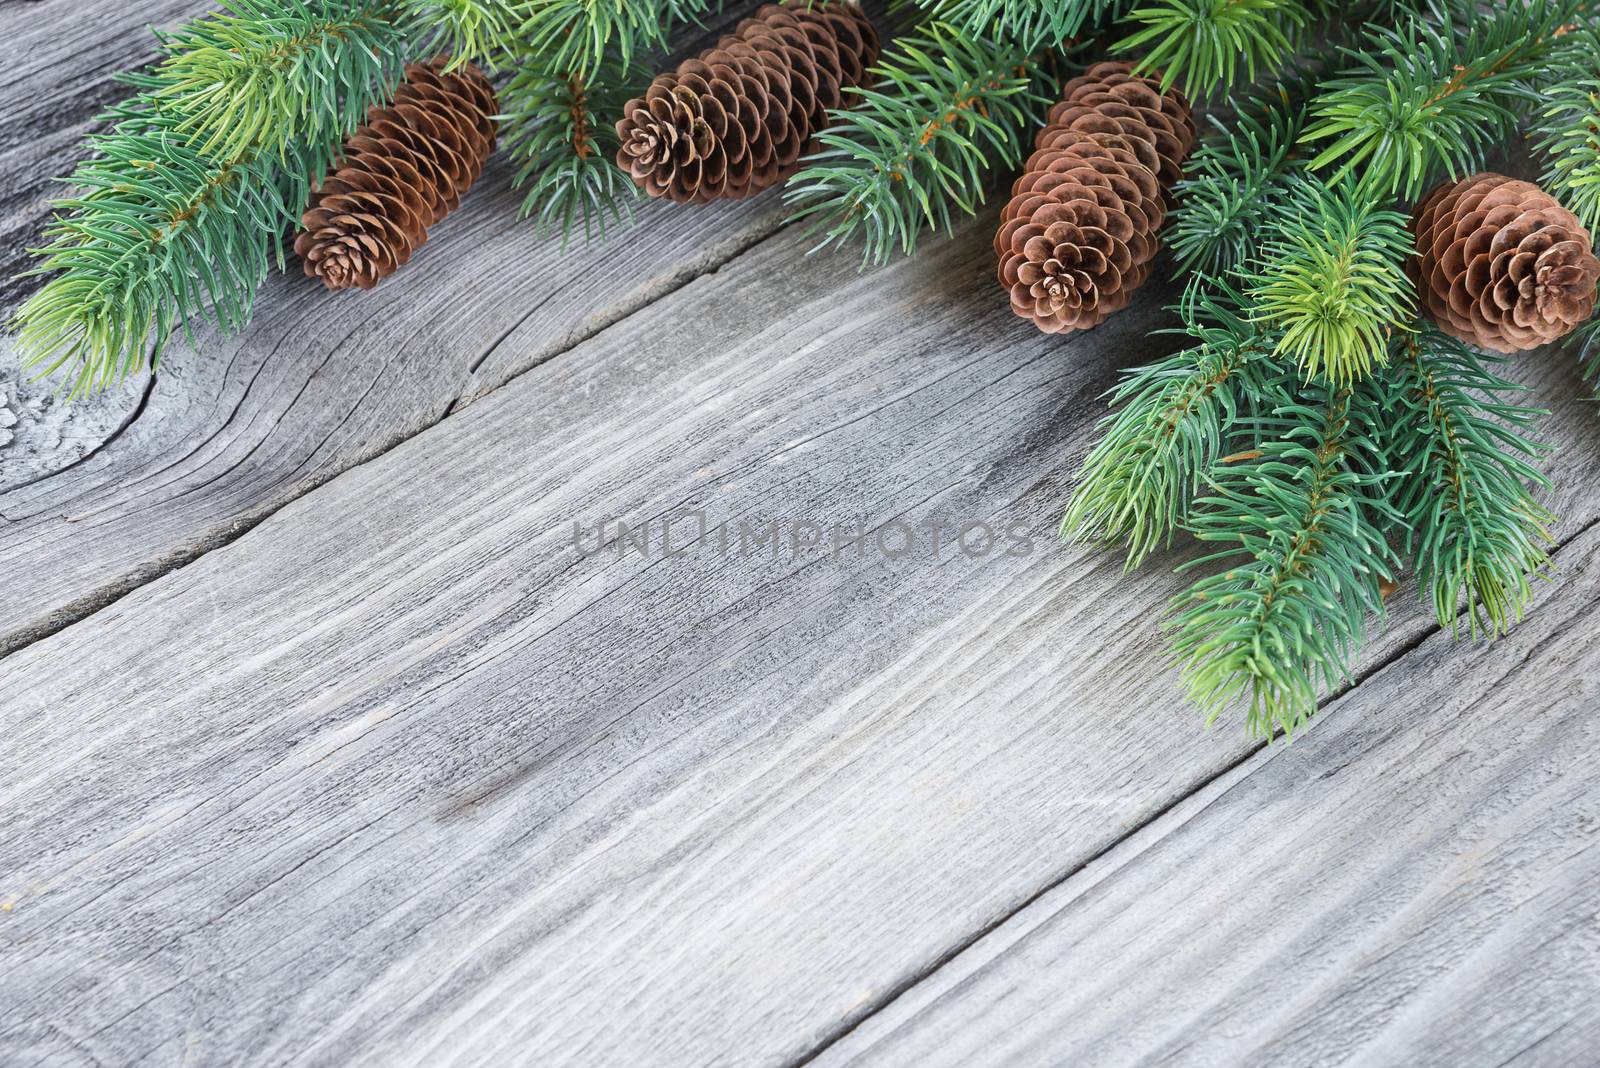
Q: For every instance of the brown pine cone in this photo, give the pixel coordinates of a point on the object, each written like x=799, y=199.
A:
x=737, y=119
x=1501, y=264
x=1080, y=231
x=403, y=171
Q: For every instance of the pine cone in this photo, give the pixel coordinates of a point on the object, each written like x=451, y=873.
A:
x=737, y=119
x=406, y=169
x=1501, y=264
x=1079, y=234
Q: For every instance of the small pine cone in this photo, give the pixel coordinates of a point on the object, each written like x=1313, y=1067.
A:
x=737, y=119
x=1080, y=231
x=1501, y=264
x=403, y=171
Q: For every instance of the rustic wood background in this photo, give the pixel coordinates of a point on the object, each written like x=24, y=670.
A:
x=323, y=744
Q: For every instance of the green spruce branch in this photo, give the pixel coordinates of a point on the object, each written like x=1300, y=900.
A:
x=1473, y=527
x=181, y=206
x=1430, y=96
x=1568, y=130
x=1204, y=45
x=945, y=107
x=1332, y=280
x=582, y=36
x=1171, y=422
x=485, y=32
x=1238, y=180
x=1300, y=518
x=1031, y=24
x=559, y=130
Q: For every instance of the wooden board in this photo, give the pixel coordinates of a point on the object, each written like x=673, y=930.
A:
x=401, y=776
x=1416, y=882
x=325, y=743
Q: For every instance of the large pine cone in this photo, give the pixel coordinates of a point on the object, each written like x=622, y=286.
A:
x=406, y=169
x=737, y=119
x=1079, y=234
x=1501, y=264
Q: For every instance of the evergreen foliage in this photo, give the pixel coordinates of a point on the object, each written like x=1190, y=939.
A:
x=1569, y=139
x=1206, y=44
x=1460, y=444
x=945, y=108
x=582, y=36
x=178, y=212
x=1298, y=517
x=1437, y=91
x=558, y=129
x=1171, y=421
x=1031, y=24
x=484, y=32
x=1238, y=178
x=1332, y=279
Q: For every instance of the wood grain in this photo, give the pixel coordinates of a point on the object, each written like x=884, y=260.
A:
x=401, y=777
x=1415, y=882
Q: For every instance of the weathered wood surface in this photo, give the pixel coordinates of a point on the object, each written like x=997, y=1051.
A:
x=398, y=776
x=1416, y=882
x=355, y=758
x=98, y=497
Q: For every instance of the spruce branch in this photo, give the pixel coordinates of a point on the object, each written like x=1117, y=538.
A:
x=1299, y=515
x=257, y=75
x=1584, y=342
x=484, y=32
x=1568, y=130
x=1429, y=97
x=1332, y=280
x=1238, y=180
x=1172, y=420
x=1476, y=532
x=1207, y=44
x=581, y=36
x=178, y=212
x=558, y=128
x=1031, y=24
x=946, y=106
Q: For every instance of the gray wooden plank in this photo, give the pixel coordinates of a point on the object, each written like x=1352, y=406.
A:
x=1416, y=881
x=399, y=777
x=99, y=496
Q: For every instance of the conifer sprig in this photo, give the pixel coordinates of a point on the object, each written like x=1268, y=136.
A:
x=1209, y=44
x=1300, y=518
x=1431, y=96
x=1238, y=180
x=1569, y=139
x=1171, y=421
x=1461, y=443
x=1332, y=280
x=1029, y=23
x=178, y=212
x=261, y=75
x=946, y=106
x=559, y=129
x=579, y=36
x=485, y=32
